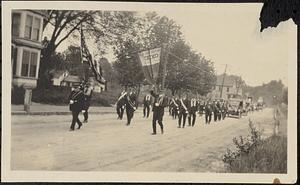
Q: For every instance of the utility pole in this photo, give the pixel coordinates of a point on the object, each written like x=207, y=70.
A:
x=223, y=81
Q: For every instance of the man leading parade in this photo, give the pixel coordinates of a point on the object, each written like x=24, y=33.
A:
x=160, y=102
x=76, y=103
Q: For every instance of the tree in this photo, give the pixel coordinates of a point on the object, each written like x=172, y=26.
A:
x=150, y=31
x=186, y=69
x=129, y=71
x=100, y=26
x=190, y=71
x=267, y=91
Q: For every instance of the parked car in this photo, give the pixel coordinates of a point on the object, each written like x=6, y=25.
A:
x=235, y=107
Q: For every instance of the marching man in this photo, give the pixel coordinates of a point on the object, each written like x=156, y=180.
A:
x=76, y=102
x=88, y=90
x=160, y=102
x=131, y=105
x=193, y=106
x=147, y=105
x=183, y=111
x=120, y=104
x=208, y=112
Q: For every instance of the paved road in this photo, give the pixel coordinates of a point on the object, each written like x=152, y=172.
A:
x=106, y=144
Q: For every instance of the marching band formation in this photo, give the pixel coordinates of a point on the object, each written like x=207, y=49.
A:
x=184, y=108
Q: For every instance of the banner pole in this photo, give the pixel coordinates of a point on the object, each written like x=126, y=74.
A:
x=150, y=63
x=165, y=60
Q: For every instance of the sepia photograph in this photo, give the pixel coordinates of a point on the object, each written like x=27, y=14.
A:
x=147, y=92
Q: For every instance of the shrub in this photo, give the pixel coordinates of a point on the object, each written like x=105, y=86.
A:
x=53, y=95
x=17, y=95
x=255, y=155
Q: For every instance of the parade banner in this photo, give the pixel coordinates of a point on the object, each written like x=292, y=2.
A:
x=150, y=61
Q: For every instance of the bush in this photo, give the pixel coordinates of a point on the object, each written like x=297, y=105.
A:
x=59, y=96
x=53, y=95
x=255, y=155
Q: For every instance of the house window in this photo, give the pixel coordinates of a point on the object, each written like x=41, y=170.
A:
x=28, y=26
x=36, y=29
x=29, y=64
x=220, y=88
x=32, y=27
x=16, y=17
x=227, y=89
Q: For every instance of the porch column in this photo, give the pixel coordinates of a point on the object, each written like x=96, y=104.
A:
x=27, y=99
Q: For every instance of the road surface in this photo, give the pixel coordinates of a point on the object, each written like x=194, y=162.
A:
x=106, y=144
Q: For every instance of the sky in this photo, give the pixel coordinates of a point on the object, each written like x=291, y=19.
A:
x=230, y=34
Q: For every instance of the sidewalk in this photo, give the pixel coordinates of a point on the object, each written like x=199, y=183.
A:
x=45, y=109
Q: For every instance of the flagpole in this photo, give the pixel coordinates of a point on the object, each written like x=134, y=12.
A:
x=165, y=56
x=150, y=64
x=81, y=54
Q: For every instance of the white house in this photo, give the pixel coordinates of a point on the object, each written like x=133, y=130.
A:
x=58, y=77
x=27, y=29
x=26, y=45
x=226, y=87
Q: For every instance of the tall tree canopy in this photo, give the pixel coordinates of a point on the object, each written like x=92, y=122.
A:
x=102, y=27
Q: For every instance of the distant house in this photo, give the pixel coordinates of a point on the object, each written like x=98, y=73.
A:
x=229, y=88
x=58, y=76
x=71, y=81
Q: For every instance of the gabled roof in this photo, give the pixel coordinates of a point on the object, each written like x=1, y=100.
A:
x=228, y=81
x=72, y=78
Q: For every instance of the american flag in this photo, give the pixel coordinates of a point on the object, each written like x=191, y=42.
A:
x=87, y=57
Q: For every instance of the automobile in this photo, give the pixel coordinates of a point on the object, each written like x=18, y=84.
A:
x=260, y=103
x=235, y=107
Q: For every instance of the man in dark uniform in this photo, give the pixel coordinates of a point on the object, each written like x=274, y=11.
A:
x=215, y=111
x=201, y=108
x=88, y=90
x=147, y=105
x=192, y=108
x=160, y=102
x=208, y=112
x=120, y=104
x=224, y=110
x=131, y=105
x=183, y=111
x=76, y=101
x=174, y=107
x=219, y=113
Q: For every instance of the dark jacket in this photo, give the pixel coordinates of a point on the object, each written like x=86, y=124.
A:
x=147, y=102
x=87, y=97
x=208, y=109
x=131, y=101
x=76, y=100
x=181, y=107
x=160, y=102
x=121, y=101
x=192, y=108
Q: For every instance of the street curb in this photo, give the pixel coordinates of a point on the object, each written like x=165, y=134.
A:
x=22, y=113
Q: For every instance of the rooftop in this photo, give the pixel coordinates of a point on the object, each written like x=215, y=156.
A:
x=228, y=81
